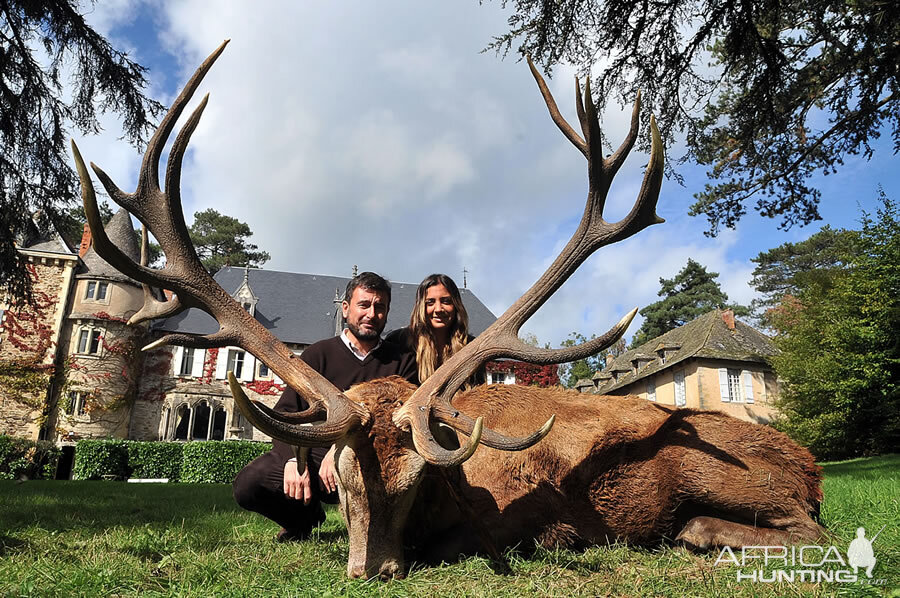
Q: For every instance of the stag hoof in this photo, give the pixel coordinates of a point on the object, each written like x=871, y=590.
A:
x=698, y=534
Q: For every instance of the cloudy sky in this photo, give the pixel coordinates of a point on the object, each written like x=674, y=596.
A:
x=380, y=135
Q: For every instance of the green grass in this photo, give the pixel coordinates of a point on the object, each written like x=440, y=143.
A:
x=109, y=538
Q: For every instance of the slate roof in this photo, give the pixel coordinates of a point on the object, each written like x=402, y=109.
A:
x=299, y=308
x=121, y=232
x=49, y=241
x=707, y=336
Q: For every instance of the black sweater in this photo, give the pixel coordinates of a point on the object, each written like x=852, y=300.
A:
x=341, y=367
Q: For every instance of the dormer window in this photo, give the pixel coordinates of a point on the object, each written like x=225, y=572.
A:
x=96, y=290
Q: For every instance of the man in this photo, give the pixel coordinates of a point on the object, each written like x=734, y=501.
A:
x=271, y=485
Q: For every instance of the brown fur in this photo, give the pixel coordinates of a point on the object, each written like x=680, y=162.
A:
x=612, y=468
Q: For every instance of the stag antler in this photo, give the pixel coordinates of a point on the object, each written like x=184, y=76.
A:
x=432, y=399
x=161, y=212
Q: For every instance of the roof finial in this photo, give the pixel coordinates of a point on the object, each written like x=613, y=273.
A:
x=355, y=271
x=246, y=274
x=464, y=277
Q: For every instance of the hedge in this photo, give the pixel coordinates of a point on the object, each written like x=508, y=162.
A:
x=155, y=459
x=101, y=459
x=204, y=462
x=218, y=462
x=22, y=458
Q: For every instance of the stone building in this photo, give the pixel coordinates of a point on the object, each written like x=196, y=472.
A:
x=88, y=378
x=712, y=362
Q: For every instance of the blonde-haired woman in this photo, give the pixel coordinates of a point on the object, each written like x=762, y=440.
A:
x=438, y=325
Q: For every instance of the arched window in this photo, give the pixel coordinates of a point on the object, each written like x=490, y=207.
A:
x=164, y=422
x=218, y=430
x=182, y=421
x=201, y=421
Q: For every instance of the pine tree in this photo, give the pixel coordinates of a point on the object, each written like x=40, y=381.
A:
x=223, y=241
x=690, y=294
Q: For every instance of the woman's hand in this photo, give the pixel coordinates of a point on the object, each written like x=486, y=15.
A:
x=327, y=474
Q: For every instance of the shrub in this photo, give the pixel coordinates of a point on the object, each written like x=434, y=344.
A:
x=95, y=459
x=34, y=460
x=155, y=459
x=218, y=462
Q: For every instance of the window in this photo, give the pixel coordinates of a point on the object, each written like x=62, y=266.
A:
x=218, y=429
x=76, y=403
x=235, y=362
x=96, y=290
x=187, y=362
x=736, y=386
x=497, y=378
x=182, y=419
x=680, y=396
x=263, y=370
x=201, y=421
x=651, y=389
x=89, y=341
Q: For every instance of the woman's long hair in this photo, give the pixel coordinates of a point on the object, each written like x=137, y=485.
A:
x=427, y=356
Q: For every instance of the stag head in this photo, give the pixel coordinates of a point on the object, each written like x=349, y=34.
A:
x=385, y=431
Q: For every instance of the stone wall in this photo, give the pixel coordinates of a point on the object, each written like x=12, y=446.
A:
x=28, y=347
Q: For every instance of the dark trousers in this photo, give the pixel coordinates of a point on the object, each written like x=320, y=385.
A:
x=259, y=487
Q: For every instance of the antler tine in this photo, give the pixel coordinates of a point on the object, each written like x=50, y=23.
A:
x=173, y=175
x=152, y=308
x=615, y=161
x=149, y=176
x=110, y=252
x=432, y=399
x=324, y=434
x=561, y=122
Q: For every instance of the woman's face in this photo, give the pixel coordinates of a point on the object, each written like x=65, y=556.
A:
x=439, y=310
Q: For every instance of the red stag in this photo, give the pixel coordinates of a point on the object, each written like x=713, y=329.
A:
x=613, y=468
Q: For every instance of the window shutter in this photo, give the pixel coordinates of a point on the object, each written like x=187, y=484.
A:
x=176, y=360
x=249, y=367
x=197, y=366
x=723, y=384
x=221, y=363
x=748, y=386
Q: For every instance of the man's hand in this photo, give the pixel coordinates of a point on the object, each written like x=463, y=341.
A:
x=297, y=485
x=327, y=474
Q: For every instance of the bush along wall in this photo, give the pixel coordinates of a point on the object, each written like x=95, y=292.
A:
x=101, y=459
x=155, y=460
x=195, y=462
x=218, y=462
x=28, y=459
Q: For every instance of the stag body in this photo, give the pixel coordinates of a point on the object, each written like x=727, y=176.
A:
x=613, y=468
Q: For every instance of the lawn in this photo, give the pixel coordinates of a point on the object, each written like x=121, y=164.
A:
x=110, y=538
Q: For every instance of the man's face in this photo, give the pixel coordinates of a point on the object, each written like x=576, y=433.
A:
x=366, y=313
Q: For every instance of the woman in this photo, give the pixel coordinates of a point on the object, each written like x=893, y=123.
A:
x=438, y=325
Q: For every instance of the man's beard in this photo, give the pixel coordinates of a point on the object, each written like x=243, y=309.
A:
x=369, y=334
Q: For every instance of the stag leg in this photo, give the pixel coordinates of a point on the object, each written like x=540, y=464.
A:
x=707, y=533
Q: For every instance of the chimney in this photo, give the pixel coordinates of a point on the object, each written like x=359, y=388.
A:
x=609, y=360
x=85, y=240
x=728, y=318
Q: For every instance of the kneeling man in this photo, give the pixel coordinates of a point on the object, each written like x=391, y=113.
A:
x=271, y=485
